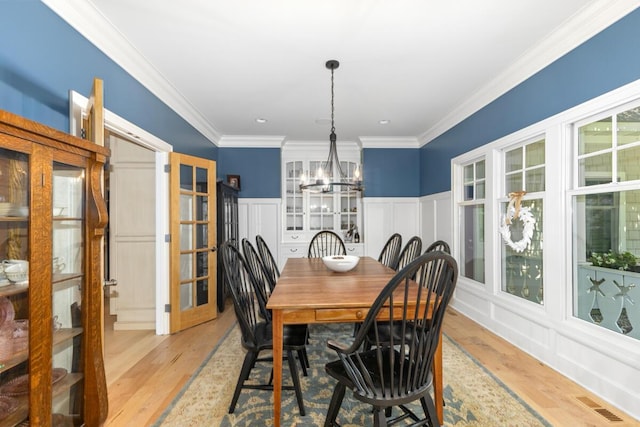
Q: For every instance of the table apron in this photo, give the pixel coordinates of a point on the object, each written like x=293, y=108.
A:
x=324, y=315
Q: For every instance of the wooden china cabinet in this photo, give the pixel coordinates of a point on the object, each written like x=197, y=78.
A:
x=52, y=215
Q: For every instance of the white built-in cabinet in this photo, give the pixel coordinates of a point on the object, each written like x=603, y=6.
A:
x=305, y=213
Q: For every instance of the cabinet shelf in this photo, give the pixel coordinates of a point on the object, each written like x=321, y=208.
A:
x=59, y=337
x=13, y=289
x=22, y=412
x=63, y=281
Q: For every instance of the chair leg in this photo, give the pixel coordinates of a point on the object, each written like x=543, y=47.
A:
x=247, y=365
x=296, y=381
x=379, y=419
x=334, y=405
x=430, y=410
x=304, y=363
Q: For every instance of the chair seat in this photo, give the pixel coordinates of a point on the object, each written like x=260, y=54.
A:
x=382, y=396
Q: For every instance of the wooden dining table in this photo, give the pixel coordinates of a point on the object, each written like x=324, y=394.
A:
x=308, y=292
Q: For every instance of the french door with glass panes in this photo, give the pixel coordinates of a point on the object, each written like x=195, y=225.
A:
x=193, y=237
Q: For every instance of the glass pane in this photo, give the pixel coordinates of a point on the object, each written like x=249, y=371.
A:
x=595, y=136
x=468, y=192
x=202, y=212
x=513, y=160
x=186, y=177
x=522, y=269
x=472, y=244
x=202, y=183
x=629, y=126
x=67, y=245
x=202, y=236
x=67, y=262
x=480, y=172
x=186, y=207
x=480, y=188
x=595, y=170
x=606, y=246
x=186, y=297
x=186, y=237
x=514, y=182
x=535, y=154
x=202, y=292
x=468, y=173
x=629, y=164
x=535, y=179
x=202, y=264
x=186, y=267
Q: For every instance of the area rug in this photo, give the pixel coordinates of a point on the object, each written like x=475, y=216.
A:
x=473, y=396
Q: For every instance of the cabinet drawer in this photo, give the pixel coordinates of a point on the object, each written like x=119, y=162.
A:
x=341, y=315
x=293, y=237
x=355, y=249
x=292, y=251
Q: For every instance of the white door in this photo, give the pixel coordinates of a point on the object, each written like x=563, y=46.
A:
x=132, y=234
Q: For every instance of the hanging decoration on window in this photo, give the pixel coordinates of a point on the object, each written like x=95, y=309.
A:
x=515, y=212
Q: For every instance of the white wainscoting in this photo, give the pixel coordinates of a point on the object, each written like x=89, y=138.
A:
x=260, y=216
x=384, y=216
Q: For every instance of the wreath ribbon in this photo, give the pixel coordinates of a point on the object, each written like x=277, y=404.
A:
x=515, y=198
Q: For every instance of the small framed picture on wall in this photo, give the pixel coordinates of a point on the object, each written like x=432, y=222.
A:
x=234, y=181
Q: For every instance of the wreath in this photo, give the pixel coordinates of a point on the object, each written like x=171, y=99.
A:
x=514, y=211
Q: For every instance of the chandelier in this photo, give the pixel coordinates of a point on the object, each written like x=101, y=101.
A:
x=324, y=180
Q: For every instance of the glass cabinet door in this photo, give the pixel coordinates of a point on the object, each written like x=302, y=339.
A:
x=14, y=286
x=68, y=273
x=293, y=200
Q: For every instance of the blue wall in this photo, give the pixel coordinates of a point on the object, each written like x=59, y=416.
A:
x=259, y=170
x=603, y=63
x=390, y=172
x=42, y=58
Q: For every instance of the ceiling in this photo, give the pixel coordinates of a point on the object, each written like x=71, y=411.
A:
x=422, y=65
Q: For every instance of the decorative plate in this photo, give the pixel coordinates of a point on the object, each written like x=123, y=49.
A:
x=20, y=385
x=7, y=406
x=7, y=312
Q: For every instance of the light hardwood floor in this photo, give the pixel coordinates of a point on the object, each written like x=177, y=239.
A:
x=145, y=372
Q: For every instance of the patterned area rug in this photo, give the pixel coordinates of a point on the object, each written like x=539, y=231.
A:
x=473, y=396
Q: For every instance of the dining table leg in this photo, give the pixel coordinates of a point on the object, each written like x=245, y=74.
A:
x=438, y=399
x=277, y=327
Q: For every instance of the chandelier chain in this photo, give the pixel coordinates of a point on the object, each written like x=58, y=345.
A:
x=333, y=127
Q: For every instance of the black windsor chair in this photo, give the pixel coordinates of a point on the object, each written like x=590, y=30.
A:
x=439, y=245
x=410, y=251
x=384, y=333
x=389, y=376
x=264, y=288
x=326, y=243
x=256, y=328
x=269, y=263
x=391, y=251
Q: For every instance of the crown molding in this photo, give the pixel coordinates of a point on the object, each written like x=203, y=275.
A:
x=251, y=141
x=585, y=24
x=389, y=142
x=83, y=16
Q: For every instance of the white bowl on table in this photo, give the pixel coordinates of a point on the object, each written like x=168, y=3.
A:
x=340, y=263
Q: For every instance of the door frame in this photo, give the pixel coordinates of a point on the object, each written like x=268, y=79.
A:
x=120, y=126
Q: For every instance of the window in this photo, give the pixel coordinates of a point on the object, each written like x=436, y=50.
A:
x=472, y=251
x=524, y=168
x=606, y=220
